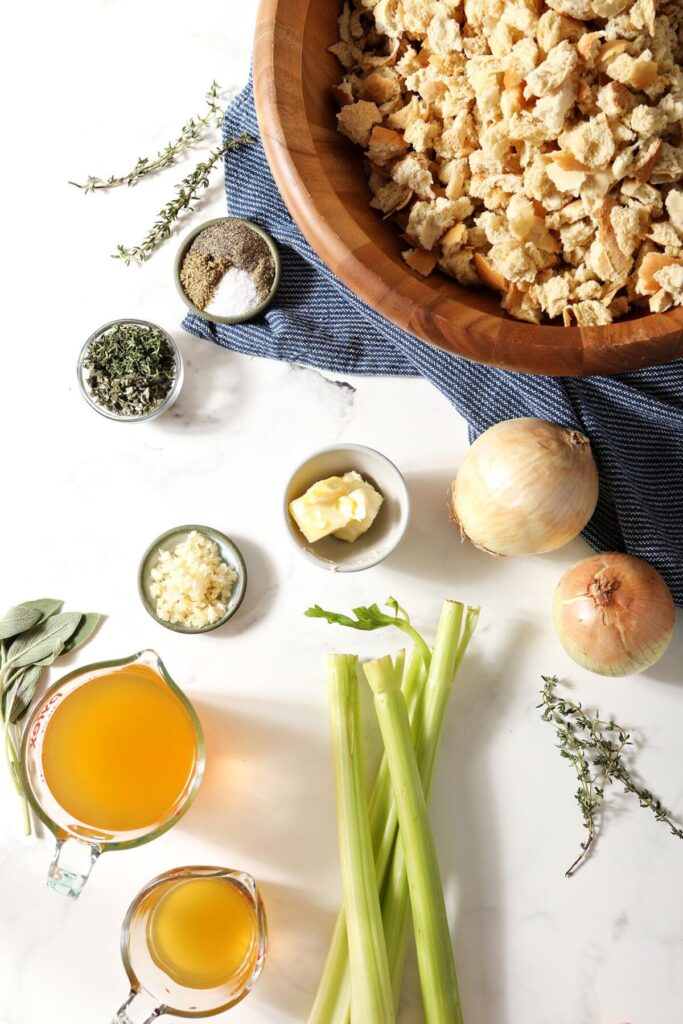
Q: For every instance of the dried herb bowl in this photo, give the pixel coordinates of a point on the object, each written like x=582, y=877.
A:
x=159, y=409
x=256, y=310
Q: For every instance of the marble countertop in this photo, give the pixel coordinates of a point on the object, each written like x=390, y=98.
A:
x=91, y=86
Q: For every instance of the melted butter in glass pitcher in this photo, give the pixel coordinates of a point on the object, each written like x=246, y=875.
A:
x=193, y=944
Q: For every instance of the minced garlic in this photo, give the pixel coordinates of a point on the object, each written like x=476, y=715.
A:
x=192, y=584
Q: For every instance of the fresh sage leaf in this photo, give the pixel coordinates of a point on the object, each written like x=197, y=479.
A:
x=18, y=698
x=43, y=640
x=49, y=658
x=47, y=606
x=86, y=627
x=32, y=635
x=18, y=620
x=9, y=680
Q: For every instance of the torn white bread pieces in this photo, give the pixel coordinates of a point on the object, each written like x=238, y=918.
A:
x=532, y=147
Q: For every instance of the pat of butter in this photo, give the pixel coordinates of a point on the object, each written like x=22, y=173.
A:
x=344, y=506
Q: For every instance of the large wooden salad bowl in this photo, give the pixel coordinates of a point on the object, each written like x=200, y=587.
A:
x=320, y=175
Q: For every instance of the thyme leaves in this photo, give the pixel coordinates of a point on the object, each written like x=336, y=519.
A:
x=595, y=748
x=130, y=369
x=190, y=134
x=187, y=192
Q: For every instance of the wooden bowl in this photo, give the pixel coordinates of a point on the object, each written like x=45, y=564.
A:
x=321, y=178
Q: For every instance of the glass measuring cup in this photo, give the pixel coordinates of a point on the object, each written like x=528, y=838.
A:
x=80, y=843
x=154, y=991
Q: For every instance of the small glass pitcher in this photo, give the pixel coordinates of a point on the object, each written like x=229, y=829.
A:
x=79, y=844
x=153, y=991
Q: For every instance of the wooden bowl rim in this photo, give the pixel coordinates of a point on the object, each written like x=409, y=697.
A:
x=625, y=345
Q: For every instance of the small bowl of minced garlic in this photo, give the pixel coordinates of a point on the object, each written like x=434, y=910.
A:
x=192, y=579
x=346, y=507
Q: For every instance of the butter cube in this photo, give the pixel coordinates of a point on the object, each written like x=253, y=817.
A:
x=344, y=506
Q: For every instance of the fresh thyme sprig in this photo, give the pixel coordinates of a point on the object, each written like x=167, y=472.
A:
x=594, y=747
x=187, y=191
x=190, y=134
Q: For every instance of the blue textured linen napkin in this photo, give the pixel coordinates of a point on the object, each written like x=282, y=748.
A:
x=634, y=421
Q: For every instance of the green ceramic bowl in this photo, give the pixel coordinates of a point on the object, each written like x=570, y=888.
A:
x=230, y=554
x=256, y=310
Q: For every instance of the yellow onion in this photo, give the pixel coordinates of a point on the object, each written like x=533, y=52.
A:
x=525, y=486
x=614, y=614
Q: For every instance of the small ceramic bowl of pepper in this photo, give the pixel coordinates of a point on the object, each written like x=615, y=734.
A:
x=214, y=249
x=134, y=385
x=229, y=553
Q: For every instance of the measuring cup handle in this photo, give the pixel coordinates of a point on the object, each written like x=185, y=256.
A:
x=139, y=1008
x=71, y=865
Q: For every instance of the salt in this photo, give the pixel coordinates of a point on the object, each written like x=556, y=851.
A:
x=235, y=294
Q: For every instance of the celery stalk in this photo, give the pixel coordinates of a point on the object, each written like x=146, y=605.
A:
x=332, y=1005
x=371, y=990
x=447, y=659
x=445, y=665
x=383, y=815
x=333, y=998
x=436, y=965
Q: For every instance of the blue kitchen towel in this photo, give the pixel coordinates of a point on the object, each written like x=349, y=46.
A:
x=634, y=421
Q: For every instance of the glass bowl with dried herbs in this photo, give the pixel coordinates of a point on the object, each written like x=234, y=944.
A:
x=130, y=370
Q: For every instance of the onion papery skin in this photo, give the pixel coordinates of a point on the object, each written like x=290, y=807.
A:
x=614, y=614
x=524, y=487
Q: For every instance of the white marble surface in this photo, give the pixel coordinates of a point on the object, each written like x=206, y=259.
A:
x=90, y=87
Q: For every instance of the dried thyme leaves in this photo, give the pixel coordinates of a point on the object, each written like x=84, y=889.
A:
x=595, y=748
x=130, y=369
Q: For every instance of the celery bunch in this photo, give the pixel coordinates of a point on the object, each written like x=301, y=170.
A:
x=411, y=696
